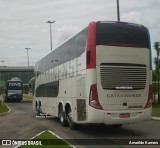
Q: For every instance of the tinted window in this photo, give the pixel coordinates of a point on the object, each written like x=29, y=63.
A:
x=69, y=50
x=80, y=42
x=122, y=33
x=48, y=90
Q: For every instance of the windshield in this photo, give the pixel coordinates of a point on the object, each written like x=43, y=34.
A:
x=122, y=34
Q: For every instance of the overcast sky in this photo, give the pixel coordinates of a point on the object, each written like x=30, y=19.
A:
x=23, y=23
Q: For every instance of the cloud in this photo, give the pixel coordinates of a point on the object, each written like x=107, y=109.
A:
x=23, y=23
x=65, y=32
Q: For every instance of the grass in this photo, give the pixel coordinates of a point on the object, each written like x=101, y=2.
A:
x=156, y=110
x=46, y=138
x=3, y=107
x=27, y=96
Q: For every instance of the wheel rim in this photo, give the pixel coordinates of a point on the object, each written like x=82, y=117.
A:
x=61, y=118
x=61, y=115
x=69, y=117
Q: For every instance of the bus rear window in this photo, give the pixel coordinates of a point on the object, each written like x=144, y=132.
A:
x=121, y=34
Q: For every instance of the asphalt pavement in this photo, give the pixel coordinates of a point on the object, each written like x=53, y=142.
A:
x=21, y=123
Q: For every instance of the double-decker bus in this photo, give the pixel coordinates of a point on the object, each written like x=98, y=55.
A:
x=100, y=75
x=13, y=90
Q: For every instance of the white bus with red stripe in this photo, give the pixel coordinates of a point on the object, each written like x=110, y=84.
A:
x=102, y=75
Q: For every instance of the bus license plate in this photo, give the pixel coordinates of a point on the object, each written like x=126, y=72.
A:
x=124, y=115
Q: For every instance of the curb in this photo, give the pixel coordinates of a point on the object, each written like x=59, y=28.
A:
x=61, y=139
x=17, y=146
x=5, y=113
x=26, y=101
x=155, y=118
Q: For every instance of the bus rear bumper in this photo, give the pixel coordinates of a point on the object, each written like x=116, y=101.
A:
x=119, y=117
x=11, y=99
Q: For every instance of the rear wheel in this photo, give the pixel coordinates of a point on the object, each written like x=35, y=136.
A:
x=62, y=116
x=37, y=109
x=71, y=124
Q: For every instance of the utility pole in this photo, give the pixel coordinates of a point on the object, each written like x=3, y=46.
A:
x=118, y=11
x=51, y=22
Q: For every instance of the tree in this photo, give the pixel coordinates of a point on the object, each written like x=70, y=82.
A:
x=154, y=85
x=156, y=61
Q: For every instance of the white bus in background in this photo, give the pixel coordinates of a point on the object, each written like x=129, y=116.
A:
x=100, y=75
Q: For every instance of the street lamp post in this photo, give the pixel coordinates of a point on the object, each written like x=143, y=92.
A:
x=50, y=22
x=2, y=61
x=118, y=11
x=27, y=55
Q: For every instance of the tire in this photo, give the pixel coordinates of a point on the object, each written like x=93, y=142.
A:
x=117, y=125
x=71, y=124
x=37, y=109
x=61, y=115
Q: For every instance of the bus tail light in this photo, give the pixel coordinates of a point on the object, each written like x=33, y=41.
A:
x=91, y=46
x=150, y=98
x=93, y=97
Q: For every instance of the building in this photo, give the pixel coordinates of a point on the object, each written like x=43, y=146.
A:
x=25, y=73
